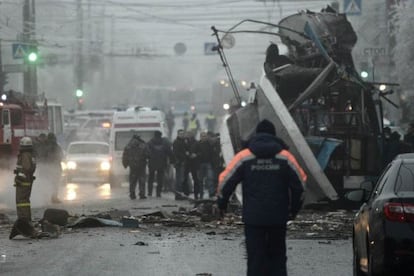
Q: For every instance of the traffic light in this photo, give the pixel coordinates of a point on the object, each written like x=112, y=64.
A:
x=79, y=98
x=79, y=93
x=3, y=80
x=365, y=71
x=80, y=103
x=32, y=55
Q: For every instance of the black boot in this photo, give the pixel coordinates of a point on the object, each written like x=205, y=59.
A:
x=13, y=233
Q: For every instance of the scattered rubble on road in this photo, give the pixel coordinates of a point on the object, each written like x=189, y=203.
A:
x=309, y=224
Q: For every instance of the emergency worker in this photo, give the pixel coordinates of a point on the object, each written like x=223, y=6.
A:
x=160, y=154
x=181, y=155
x=194, y=124
x=273, y=186
x=23, y=181
x=54, y=156
x=135, y=156
x=210, y=122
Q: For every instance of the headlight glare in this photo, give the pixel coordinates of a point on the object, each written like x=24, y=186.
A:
x=71, y=165
x=105, y=166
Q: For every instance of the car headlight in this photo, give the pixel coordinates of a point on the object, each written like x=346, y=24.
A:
x=63, y=166
x=71, y=165
x=105, y=166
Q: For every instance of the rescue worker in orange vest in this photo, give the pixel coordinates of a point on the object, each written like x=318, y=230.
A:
x=273, y=187
x=23, y=181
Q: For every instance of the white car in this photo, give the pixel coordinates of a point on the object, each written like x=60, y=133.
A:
x=87, y=162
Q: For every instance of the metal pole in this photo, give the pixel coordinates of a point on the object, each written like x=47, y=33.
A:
x=26, y=39
x=79, y=57
x=30, y=75
x=33, y=67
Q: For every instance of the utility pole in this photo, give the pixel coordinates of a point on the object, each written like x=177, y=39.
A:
x=79, y=65
x=29, y=76
x=3, y=75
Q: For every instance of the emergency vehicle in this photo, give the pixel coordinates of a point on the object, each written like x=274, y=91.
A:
x=137, y=120
x=20, y=116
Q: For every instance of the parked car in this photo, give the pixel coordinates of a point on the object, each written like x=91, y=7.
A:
x=383, y=230
x=87, y=161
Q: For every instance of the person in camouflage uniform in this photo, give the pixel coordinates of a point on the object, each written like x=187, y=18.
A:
x=135, y=156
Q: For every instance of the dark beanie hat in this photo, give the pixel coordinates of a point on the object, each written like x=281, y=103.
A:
x=266, y=126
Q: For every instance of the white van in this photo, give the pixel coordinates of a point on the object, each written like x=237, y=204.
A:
x=139, y=120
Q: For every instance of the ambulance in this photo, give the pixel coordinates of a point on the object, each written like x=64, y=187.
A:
x=143, y=121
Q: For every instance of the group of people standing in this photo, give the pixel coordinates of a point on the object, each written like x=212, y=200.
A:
x=196, y=160
x=202, y=159
x=157, y=154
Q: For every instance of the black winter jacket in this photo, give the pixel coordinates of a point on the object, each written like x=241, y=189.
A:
x=272, y=182
x=160, y=153
x=180, y=150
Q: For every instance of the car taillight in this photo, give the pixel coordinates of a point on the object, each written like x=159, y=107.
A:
x=402, y=212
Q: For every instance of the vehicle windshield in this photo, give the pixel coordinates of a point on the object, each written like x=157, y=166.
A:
x=97, y=123
x=122, y=138
x=88, y=149
x=405, y=180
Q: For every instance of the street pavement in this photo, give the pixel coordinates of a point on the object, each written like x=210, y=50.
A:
x=153, y=248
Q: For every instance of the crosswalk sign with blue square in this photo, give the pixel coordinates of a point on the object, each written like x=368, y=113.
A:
x=19, y=50
x=352, y=7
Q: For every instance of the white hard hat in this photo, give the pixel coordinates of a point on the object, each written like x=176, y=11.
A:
x=26, y=142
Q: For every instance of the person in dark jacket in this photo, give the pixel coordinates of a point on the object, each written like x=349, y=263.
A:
x=181, y=154
x=135, y=157
x=274, y=59
x=394, y=146
x=273, y=188
x=192, y=165
x=218, y=159
x=53, y=159
x=160, y=154
x=204, y=152
x=409, y=136
x=185, y=121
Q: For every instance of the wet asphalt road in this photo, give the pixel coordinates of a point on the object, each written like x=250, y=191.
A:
x=152, y=249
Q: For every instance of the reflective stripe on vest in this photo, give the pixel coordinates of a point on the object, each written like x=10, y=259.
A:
x=27, y=184
x=24, y=204
x=193, y=124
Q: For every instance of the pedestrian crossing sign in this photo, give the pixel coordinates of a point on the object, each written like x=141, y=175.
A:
x=352, y=7
x=19, y=50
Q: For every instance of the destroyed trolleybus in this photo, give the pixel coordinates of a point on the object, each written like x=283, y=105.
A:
x=330, y=118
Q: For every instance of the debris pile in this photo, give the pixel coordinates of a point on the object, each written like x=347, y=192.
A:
x=315, y=224
x=309, y=224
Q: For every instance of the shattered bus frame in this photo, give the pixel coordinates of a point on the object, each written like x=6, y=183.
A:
x=330, y=117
